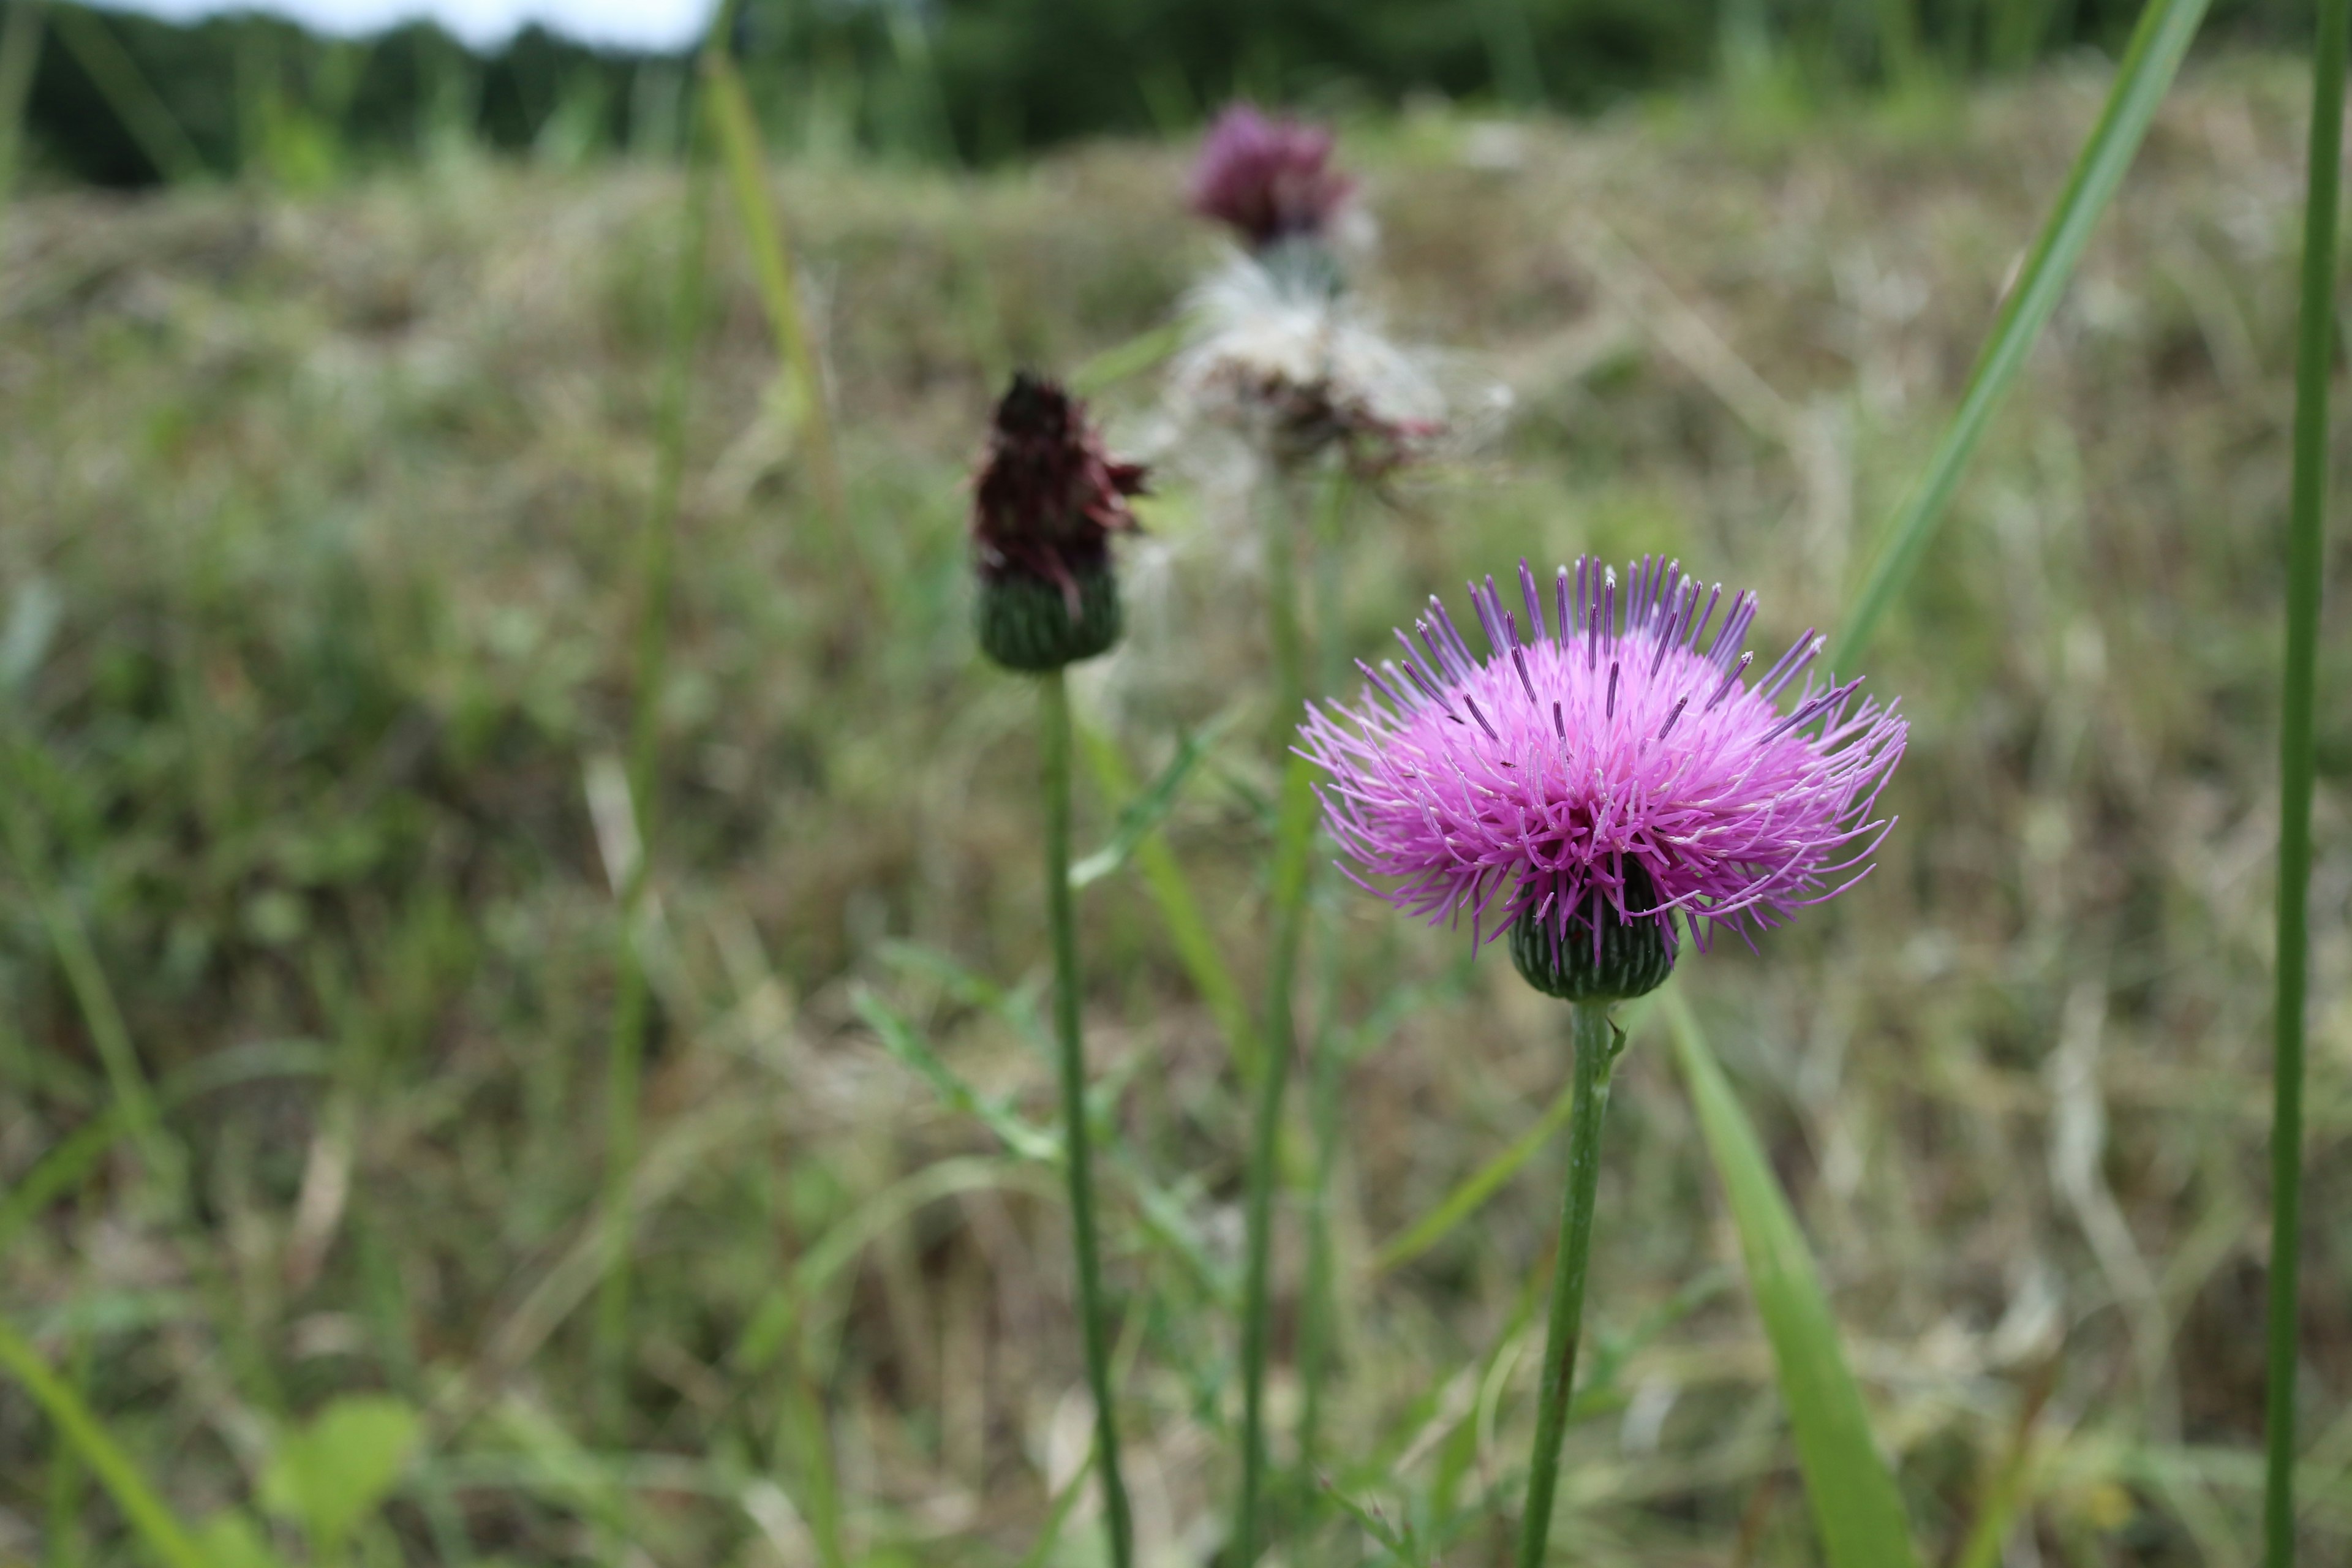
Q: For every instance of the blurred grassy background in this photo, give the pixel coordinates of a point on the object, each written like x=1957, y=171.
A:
x=320, y=513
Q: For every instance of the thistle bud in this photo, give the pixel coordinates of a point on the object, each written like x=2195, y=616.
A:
x=1047, y=500
x=1631, y=956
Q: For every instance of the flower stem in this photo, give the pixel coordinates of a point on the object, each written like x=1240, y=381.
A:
x=1596, y=1051
x=1294, y=832
x=1319, y=1325
x=1054, y=746
x=2305, y=562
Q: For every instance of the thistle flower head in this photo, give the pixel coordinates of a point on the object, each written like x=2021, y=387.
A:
x=1608, y=765
x=1047, y=498
x=1268, y=177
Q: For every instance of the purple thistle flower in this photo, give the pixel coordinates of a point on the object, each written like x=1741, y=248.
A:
x=1608, y=765
x=1268, y=176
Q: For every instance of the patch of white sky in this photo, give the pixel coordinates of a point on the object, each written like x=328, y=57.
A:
x=648, y=25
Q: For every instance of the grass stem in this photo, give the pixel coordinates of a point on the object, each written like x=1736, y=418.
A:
x=1595, y=1043
x=656, y=569
x=2306, y=538
x=1054, y=737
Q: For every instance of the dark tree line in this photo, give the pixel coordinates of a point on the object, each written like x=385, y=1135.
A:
x=123, y=99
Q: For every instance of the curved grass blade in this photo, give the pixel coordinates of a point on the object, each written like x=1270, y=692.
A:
x=154, y=1523
x=1855, y=1501
x=801, y=378
x=2158, y=43
x=1148, y=349
x=1470, y=1197
x=1203, y=964
x=1142, y=815
x=2307, y=560
x=1484, y=1183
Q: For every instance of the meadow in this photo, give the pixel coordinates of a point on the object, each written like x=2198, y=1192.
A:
x=321, y=588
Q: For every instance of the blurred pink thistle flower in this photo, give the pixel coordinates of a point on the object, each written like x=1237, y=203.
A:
x=1600, y=769
x=1268, y=176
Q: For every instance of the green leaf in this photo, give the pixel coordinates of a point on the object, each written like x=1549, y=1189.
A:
x=336, y=1471
x=2158, y=43
x=231, y=1539
x=1147, y=810
x=1855, y=1501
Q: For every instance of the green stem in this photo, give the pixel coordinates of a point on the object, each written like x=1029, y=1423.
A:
x=154, y=1522
x=656, y=570
x=1294, y=833
x=1319, y=1328
x=1078, y=1160
x=2305, y=562
x=1596, y=1051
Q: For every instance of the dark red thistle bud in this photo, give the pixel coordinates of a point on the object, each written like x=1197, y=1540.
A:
x=1270, y=177
x=1045, y=506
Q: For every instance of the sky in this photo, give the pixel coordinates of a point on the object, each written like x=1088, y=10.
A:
x=631, y=24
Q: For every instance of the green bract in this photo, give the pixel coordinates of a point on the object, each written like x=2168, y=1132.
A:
x=1029, y=626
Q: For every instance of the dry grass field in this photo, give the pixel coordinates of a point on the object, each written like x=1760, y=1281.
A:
x=317, y=601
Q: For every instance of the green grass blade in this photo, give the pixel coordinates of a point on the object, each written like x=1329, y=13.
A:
x=20, y=49
x=69, y=1162
x=166, y=1540
x=1484, y=1183
x=1142, y=815
x=1856, y=1504
x=1195, y=948
x=1481, y=1185
x=800, y=377
x=1049, y=1534
x=135, y=1098
x=657, y=571
x=1148, y=349
x=2158, y=43
x=140, y=109
x=2307, y=560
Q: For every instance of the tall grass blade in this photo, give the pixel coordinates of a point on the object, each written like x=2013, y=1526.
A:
x=134, y=1098
x=167, y=1542
x=1147, y=350
x=800, y=376
x=1856, y=1504
x=656, y=567
x=1142, y=815
x=1196, y=949
x=2158, y=43
x=136, y=103
x=2306, y=541
x=20, y=50
x=1488, y=1180
x=1481, y=1185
